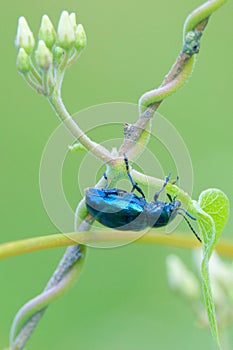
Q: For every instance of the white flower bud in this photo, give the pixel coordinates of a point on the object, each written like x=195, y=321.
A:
x=43, y=55
x=47, y=32
x=181, y=279
x=65, y=32
x=80, y=38
x=22, y=61
x=24, y=36
x=73, y=20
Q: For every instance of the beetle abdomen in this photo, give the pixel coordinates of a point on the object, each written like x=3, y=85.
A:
x=117, y=209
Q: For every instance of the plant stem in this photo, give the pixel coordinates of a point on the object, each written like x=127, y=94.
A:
x=179, y=240
x=45, y=83
x=32, y=83
x=74, y=57
x=176, y=77
x=35, y=308
x=98, y=150
x=201, y=13
x=35, y=73
x=28, y=316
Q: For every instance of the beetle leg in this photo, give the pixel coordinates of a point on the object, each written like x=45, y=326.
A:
x=190, y=226
x=136, y=187
x=156, y=196
x=106, y=178
x=170, y=198
x=168, y=195
x=134, y=184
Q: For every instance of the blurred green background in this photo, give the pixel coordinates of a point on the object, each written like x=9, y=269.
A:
x=122, y=300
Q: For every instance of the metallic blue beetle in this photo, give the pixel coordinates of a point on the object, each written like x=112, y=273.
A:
x=121, y=210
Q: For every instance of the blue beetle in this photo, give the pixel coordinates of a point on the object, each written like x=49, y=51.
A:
x=121, y=210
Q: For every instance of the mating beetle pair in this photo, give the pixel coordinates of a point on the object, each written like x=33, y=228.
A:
x=121, y=210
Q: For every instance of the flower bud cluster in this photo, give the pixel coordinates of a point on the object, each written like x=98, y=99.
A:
x=47, y=54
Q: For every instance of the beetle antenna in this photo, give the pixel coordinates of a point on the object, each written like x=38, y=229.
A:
x=134, y=184
x=190, y=226
x=188, y=214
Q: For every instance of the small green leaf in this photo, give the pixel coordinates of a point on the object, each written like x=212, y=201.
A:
x=215, y=203
x=213, y=211
x=76, y=147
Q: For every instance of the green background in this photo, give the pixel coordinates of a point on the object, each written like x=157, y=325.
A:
x=122, y=300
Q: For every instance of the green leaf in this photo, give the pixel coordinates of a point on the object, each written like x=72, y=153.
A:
x=76, y=147
x=215, y=203
x=213, y=211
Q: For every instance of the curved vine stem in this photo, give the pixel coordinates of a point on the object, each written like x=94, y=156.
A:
x=177, y=76
x=64, y=276
x=99, y=151
x=32, y=311
x=201, y=13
